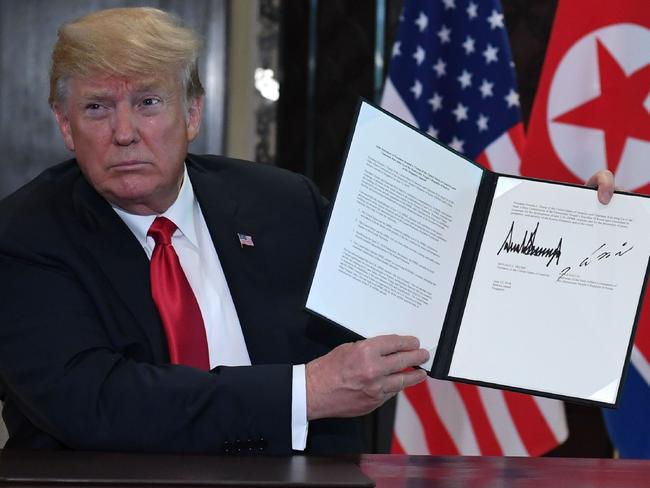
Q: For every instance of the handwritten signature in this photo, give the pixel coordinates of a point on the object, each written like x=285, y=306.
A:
x=527, y=246
x=598, y=255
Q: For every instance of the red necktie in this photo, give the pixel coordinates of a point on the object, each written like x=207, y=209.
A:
x=177, y=305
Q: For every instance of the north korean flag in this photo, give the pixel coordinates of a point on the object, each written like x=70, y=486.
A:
x=592, y=112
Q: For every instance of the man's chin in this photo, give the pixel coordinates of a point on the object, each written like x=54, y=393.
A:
x=140, y=200
x=139, y=192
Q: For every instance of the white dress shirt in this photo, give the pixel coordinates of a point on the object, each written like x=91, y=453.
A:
x=199, y=260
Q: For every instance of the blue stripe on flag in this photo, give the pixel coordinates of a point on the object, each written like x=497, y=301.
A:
x=629, y=425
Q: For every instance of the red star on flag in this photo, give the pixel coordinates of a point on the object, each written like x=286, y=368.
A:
x=619, y=110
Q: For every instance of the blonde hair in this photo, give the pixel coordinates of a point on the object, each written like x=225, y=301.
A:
x=125, y=42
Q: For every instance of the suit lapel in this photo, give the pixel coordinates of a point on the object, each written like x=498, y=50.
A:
x=243, y=266
x=122, y=260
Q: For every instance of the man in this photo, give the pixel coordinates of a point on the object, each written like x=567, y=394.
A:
x=152, y=300
x=101, y=348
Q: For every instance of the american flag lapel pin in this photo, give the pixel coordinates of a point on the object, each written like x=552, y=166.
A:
x=245, y=240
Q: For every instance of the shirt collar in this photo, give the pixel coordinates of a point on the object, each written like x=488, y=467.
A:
x=180, y=212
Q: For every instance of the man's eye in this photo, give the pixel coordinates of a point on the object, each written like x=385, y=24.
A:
x=93, y=106
x=150, y=101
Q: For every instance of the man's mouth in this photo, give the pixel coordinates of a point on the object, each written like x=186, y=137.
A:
x=128, y=165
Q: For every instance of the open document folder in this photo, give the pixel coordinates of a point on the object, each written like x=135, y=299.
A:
x=510, y=282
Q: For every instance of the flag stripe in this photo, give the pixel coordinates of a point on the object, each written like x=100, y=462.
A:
x=628, y=426
x=392, y=101
x=453, y=414
x=531, y=425
x=483, y=160
x=487, y=440
x=396, y=447
x=518, y=138
x=504, y=427
x=553, y=412
x=409, y=430
x=503, y=155
x=641, y=364
x=437, y=437
x=642, y=340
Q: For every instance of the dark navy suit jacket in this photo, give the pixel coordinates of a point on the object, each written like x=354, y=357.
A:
x=83, y=356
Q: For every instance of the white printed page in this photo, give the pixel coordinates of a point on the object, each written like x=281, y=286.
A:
x=555, y=291
x=397, y=230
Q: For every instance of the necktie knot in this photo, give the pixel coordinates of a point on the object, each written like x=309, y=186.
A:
x=161, y=231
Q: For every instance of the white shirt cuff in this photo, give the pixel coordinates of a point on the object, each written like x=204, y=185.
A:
x=299, y=424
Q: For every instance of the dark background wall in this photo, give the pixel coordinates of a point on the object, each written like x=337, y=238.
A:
x=345, y=43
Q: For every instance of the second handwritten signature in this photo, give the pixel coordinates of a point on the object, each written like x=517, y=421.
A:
x=599, y=254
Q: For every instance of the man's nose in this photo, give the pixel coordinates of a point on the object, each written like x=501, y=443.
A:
x=125, y=129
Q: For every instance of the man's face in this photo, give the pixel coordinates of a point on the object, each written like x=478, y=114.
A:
x=130, y=138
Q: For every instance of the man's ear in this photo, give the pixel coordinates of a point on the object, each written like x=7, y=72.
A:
x=194, y=112
x=64, y=125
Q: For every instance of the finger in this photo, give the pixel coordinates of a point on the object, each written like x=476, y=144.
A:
x=389, y=344
x=601, y=178
x=604, y=181
x=414, y=377
x=399, y=361
x=395, y=383
x=605, y=195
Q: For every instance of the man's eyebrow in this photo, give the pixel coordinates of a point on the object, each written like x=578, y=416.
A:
x=150, y=87
x=137, y=90
x=96, y=95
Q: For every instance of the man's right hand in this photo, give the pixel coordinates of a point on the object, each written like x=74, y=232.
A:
x=355, y=378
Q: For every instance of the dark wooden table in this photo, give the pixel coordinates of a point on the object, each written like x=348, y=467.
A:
x=82, y=469
x=504, y=472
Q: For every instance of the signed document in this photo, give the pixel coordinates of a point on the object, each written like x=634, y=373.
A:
x=514, y=283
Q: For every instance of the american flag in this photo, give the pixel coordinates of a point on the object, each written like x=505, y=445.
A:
x=452, y=75
x=245, y=240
